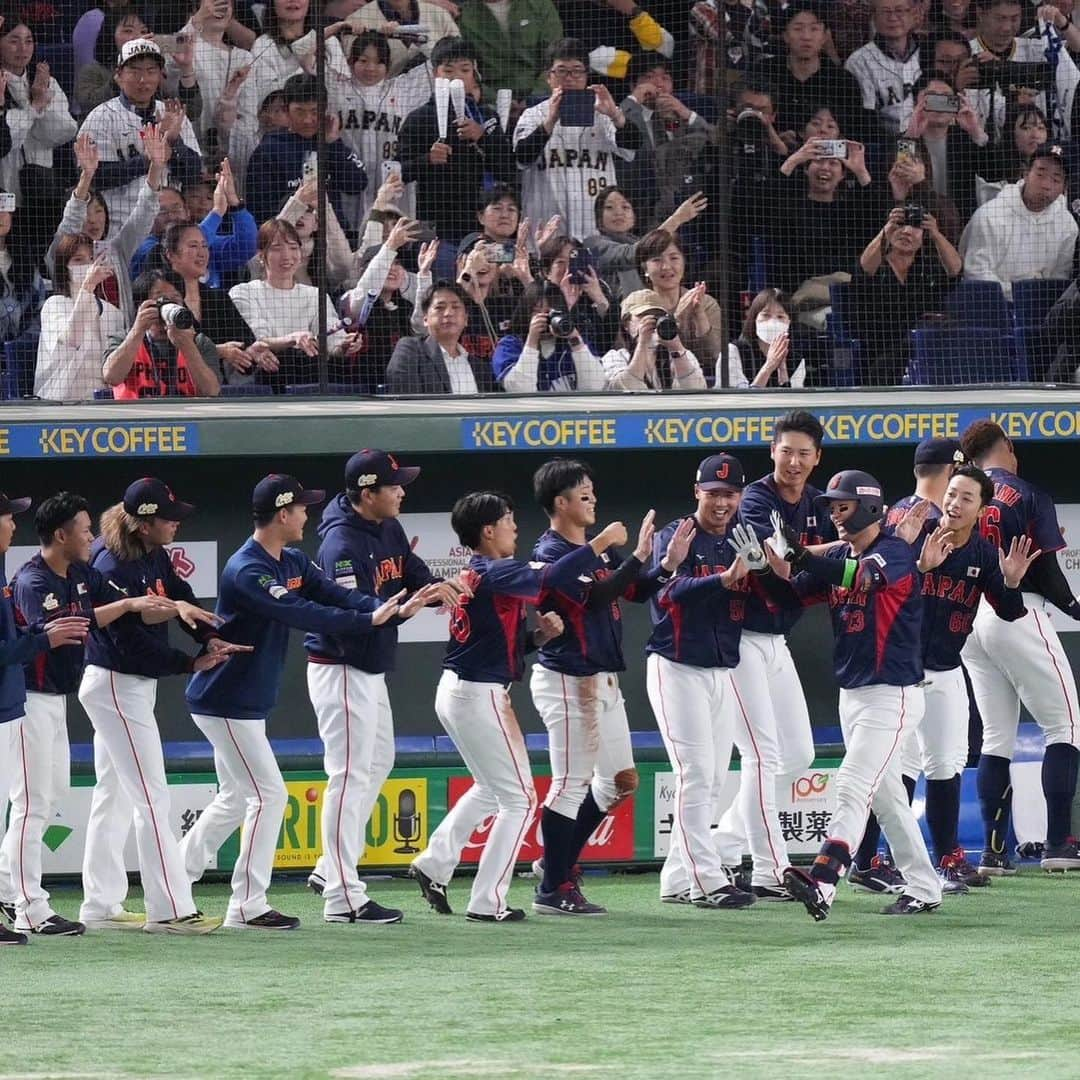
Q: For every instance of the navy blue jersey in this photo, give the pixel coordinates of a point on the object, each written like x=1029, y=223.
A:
x=1020, y=509
x=260, y=599
x=696, y=620
x=128, y=645
x=487, y=630
x=593, y=639
x=18, y=646
x=902, y=506
x=812, y=525
x=41, y=595
x=951, y=595
x=878, y=622
x=377, y=559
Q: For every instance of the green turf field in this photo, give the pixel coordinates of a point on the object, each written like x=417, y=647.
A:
x=985, y=987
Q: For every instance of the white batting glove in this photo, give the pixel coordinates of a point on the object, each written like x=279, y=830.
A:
x=778, y=541
x=745, y=542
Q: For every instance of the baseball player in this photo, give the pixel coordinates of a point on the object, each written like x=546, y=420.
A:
x=697, y=619
x=363, y=547
x=484, y=656
x=1022, y=662
x=267, y=588
x=118, y=692
x=567, y=160
x=17, y=646
x=54, y=586
x=575, y=683
x=872, y=587
x=772, y=722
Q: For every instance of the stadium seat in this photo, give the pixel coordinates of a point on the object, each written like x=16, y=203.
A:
x=845, y=361
x=979, y=303
x=951, y=355
x=20, y=359
x=1032, y=301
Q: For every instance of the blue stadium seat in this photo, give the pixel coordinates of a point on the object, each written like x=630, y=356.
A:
x=1032, y=301
x=953, y=355
x=243, y=390
x=845, y=363
x=20, y=359
x=979, y=303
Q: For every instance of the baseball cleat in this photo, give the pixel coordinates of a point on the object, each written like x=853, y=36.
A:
x=676, y=897
x=576, y=873
x=7, y=910
x=1029, y=849
x=565, y=900
x=268, y=920
x=910, y=905
x=993, y=865
x=371, y=914
x=738, y=877
x=434, y=893
x=881, y=877
x=11, y=937
x=54, y=926
x=316, y=883
x=727, y=896
x=955, y=867
x=122, y=920
x=951, y=886
x=195, y=923
x=510, y=914
x=1062, y=857
x=772, y=893
x=806, y=890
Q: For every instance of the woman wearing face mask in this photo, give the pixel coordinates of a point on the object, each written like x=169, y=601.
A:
x=765, y=345
x=645, y=361
x=75, y=324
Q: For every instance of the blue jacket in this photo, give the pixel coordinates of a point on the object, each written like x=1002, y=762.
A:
x=378, y=560
x=228, y=251
x=260, y=599
x=555, y=372
x=16, y=648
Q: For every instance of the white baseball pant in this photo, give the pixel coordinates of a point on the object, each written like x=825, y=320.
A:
x=251, y=795
x=130, y=767
x=480, y=719
x=776, y=744
x=942, y=734
x=875, y=720
x=694, y=709
x=42, y=773
x=1021, y=661
x=7, y=764
x=584, y=716
x=357, y=730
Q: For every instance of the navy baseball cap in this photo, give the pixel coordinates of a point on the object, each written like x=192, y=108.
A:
x=277, y=491
x=9, y=505
x=939, y=451
x=720, y=471
x=151, y=498
x=374, y=468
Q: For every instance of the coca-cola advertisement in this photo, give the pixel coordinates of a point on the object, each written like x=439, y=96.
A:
x=613, y=840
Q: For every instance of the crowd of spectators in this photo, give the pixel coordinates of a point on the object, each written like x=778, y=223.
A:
x=529, y=196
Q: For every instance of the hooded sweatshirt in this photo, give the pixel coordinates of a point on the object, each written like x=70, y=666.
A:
x=377, y=558
x=1005, y=241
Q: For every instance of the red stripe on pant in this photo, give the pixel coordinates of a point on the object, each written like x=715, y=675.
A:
x=892, y=750
x=254, y=824
x=1061, y=678
x=345, y=780
x=504, y=877
x=26, y=814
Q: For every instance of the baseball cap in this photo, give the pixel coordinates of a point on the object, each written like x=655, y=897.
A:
x=372, y=468
x=9, y=505
x=277, y=491
x=1053, y=151
x=139, y=47
x=939, y=451
x=719, y=471
x=642, y=302
x=150, y=498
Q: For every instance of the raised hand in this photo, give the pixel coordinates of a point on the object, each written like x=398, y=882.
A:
x=734, y=573
x=643, y=548
x=747, y=547
x=911, y=524
x=679, y=545
x=87, y=154
x=1016, y=564
x=386, y=611
x=549, y=625
x=936, y=548
x=41, y=88
x=613, y=535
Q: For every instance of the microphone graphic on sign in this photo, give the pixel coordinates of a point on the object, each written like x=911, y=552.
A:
x=406, y=823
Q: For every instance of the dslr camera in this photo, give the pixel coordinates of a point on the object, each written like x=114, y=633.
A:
x=173, y=314
x=561, y=323
x=666, y=328
x=913, y=215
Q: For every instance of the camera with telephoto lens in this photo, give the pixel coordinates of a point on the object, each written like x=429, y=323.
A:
x=666, y=328
x=561, y=323
x=173, y=314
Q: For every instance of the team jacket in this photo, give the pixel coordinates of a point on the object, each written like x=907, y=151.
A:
x=811, y=524
x=487, y=631
x=378, y=560
x=696, y=620
x=592, y=641
x=128, y=645
x=40, y=596
x=1020, y=509
x=877, y=622
x=17, y=647
x=260, y=600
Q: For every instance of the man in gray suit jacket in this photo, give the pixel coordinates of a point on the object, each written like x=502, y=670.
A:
x=439, y=363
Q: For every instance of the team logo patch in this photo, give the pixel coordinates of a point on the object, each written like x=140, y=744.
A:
x=366, y=480
x=278, y=591
x=146, y=508
x=294, y=583
x=537, y=565
x=50, y=603
x=284, y=499
x=974, y=571
x=343, y=565
x=866, y=490
x=348, y=581
x=879, y=559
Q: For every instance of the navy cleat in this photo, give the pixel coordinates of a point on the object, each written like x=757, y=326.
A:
x=434, y=893
x=565, y=900
x=910, y=905
x=806, y=890
x=881, y=877
x=991, y=864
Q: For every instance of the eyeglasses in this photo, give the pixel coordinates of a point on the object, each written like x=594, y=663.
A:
x=570, y=72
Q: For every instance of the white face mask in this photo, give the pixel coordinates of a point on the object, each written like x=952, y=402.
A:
x=78, y=273
x=770, y=329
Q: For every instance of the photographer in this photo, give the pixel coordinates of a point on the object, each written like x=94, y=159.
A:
x=653, y=358
x=897, y=283
x=544, y=350
x=568, y=265
x=161, y=355
x=1017, y=69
